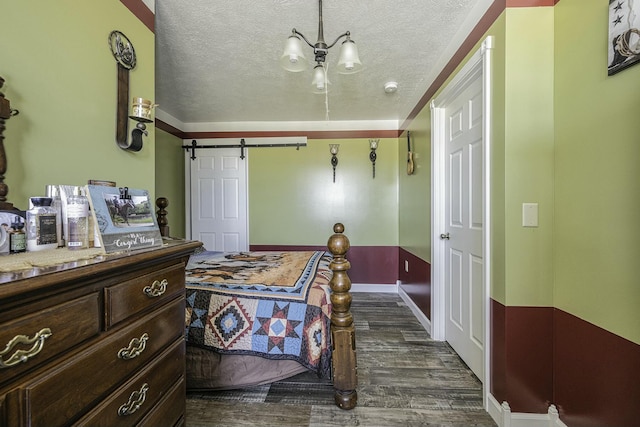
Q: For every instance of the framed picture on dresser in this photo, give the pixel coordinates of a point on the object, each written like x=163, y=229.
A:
x=125, y=218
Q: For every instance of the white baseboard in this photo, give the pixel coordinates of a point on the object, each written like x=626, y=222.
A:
x=502, y=415
x=424, y=320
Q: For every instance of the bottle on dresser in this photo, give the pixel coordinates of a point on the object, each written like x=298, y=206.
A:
x=42, y=224
x=17, y=237
x=77, y=222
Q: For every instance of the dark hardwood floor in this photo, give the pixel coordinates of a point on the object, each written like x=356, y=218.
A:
x=404, y=379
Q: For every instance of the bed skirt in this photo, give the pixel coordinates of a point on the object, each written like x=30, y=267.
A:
x=208, y=370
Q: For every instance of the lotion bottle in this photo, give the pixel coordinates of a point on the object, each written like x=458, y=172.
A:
x=42, y=225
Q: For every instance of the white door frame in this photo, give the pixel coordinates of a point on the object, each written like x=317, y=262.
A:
x=479, y=64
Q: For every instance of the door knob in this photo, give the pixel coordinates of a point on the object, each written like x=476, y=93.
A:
x=444, y=236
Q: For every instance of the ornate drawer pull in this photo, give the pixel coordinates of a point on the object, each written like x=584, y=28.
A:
x=23, y=355
x=135, y=349
x=156, y=289
x=135, y=401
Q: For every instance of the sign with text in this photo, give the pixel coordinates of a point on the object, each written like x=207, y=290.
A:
x=124, y=217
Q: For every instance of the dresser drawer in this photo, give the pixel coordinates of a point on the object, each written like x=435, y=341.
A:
x=171, y=410
x=127, y=405
x=29, y=341
x=149, y=290
x=66, y=391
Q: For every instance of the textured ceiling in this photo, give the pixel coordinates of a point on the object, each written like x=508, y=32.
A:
x=217, y=61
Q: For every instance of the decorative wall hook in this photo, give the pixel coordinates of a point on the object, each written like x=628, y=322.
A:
x=125, y=56
x=333, y=149
x=373, y=145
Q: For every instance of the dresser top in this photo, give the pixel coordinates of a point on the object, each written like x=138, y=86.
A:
x=32, y=279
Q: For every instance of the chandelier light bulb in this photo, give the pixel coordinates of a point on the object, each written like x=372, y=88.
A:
x=293, y=58
x=319, y=81
x=349, y=61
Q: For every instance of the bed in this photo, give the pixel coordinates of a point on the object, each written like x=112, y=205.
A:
x=257, y=317
x=271, y=306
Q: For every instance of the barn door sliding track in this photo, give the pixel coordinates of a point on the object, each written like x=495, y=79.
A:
x=194, y=146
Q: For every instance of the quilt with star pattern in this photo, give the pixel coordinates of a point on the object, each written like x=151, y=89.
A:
x=271, y=304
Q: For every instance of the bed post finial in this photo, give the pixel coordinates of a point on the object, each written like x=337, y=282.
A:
x=161, y=216
x=343, y=336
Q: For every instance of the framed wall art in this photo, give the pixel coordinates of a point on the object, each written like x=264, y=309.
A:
x=624, y=35
x=125, y=218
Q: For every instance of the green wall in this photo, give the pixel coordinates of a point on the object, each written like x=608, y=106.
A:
x=522, y=160
x=528, y=154
x=414, y=202
x=170, y=179
x=293, y=201
x=292, y=198
x=415, y=191
x=565, y=135
x=498, y=288
x=61, y=76
x=597, y=150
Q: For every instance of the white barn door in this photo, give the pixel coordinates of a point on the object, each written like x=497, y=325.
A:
x=217, y=206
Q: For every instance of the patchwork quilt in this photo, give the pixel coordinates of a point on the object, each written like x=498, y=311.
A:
x=272, y=304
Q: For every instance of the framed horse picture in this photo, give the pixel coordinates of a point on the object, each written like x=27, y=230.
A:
x=124, y=217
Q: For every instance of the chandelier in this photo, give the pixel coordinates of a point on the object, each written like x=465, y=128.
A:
x=293, y=59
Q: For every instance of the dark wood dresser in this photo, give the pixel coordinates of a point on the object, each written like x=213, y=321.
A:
x=96, y=342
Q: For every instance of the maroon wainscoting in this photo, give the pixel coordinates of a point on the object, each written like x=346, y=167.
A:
x=522, y=357
x=498, y=356
x=529, y=357
x=369, y=264
x=597, y=375
x=417, y=281
x=543, y=355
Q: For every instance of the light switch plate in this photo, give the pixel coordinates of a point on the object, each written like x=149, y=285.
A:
x=529, y=214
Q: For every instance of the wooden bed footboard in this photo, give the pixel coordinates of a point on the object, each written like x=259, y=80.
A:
x=343, y=336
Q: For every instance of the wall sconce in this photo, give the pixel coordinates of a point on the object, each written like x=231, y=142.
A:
x=141, y=113
x=373, y=145
x=333, y=149
x=125, y=56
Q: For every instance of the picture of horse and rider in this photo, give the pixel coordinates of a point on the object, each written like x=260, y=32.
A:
x=132, y=212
